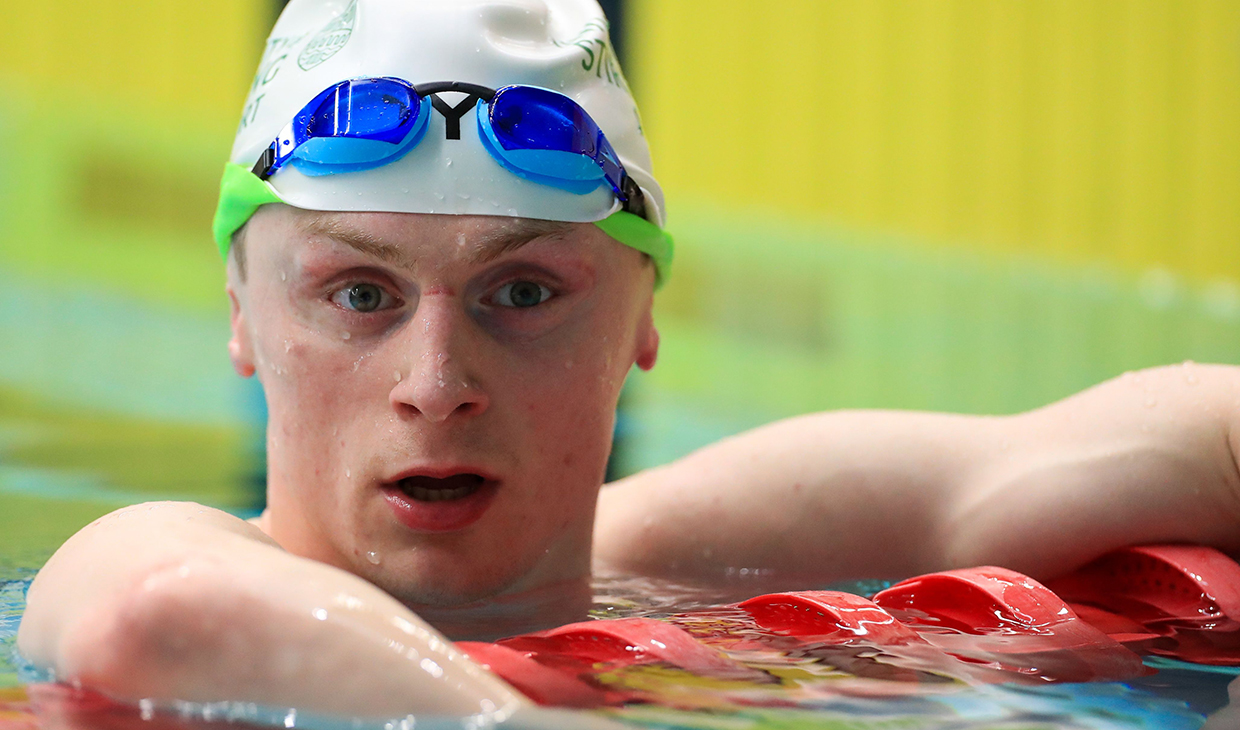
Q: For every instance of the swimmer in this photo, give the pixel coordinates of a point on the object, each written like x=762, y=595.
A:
x=443, y=238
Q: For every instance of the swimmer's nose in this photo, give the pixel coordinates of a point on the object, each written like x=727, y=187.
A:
x=436, y=381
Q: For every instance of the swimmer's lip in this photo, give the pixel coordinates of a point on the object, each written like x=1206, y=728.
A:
x=444, y=515
x=435, y=472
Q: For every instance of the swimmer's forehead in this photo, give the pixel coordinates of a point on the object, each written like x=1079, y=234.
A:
x=395, y=237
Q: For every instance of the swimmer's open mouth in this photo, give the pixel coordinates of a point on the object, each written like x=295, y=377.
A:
x=431, y=489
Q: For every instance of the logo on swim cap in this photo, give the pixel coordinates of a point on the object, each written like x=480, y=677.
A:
x=328, y=42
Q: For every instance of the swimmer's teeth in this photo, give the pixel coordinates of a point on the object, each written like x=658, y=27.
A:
x=422, y=494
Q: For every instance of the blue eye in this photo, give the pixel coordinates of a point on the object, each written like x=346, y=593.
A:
x=522, y=294
x=363, y=298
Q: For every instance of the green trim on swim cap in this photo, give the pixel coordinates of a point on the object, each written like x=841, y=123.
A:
x=639, y=233
x=242, y=193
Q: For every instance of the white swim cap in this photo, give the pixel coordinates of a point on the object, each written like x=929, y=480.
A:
x=561, y=45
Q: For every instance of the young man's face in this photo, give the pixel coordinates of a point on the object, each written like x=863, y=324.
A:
x=441, y=390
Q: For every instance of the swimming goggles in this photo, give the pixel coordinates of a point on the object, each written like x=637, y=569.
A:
x=536, y=133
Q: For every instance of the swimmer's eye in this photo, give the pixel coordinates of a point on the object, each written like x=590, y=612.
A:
x=522, y=294
x=363, y=298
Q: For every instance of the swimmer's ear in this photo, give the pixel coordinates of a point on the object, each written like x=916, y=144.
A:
x=239, y=350
x=647, y=342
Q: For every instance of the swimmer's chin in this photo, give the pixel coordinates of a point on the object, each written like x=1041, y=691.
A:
x=433, y=576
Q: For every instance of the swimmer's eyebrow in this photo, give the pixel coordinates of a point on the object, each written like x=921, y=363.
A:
x=492, y=245
x=356, y=238
x=487, y=246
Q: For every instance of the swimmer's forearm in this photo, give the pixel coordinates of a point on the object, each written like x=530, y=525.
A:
x=1145, y=458
x=821, y=497
x=174, y=601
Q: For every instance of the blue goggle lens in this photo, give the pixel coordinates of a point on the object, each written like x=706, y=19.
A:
x=358, y=125
x=525, y=117
x=547, y=136
x=378, y=109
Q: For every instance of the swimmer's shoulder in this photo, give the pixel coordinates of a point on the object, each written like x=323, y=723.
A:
x=107, y=566
x=167, y=520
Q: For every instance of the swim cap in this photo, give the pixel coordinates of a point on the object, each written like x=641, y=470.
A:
x=561, y=45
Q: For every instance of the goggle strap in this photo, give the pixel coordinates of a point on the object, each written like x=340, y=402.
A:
x=266, y=161
x=632, y=197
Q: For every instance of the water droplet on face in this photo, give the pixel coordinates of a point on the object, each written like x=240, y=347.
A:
x=447, y=162
x=348, y=473
x=460, y=239
x=396, y=376
x=346, y=335
x=283, y=276
x=373, y=558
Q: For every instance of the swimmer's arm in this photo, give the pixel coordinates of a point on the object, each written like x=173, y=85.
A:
x=179, y=601
x=1141, y=459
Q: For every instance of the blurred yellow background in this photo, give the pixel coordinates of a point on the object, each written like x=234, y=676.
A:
x=973, y=205
x=1083, y=130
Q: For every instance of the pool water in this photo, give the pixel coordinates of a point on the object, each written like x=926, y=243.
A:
x=814, y=687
